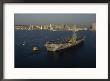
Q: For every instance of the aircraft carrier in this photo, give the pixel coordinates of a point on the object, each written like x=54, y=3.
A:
x=58, y=45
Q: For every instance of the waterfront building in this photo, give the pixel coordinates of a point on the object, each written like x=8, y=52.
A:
x=94, y=26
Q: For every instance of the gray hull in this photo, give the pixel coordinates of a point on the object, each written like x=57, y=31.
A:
x=57, y=47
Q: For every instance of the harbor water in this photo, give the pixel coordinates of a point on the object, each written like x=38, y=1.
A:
x=83, y=56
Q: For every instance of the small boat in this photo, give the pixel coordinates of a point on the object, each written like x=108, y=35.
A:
x=23, y=43
x=72, y=41
x=34, y=49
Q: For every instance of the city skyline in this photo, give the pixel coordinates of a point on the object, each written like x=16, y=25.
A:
x=83, y=20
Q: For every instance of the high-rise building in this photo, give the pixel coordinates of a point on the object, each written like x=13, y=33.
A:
x=94, y=26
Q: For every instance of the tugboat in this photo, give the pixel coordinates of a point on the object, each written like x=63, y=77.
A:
x=35, y=49
x=74, y=40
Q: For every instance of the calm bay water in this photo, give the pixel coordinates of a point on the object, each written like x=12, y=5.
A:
x=80, y=57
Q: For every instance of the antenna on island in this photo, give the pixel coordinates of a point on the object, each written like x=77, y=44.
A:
x=74, y=33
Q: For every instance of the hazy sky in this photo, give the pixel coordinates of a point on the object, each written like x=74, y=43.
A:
x=80, y=19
